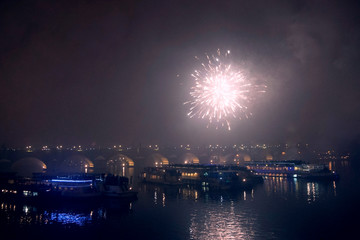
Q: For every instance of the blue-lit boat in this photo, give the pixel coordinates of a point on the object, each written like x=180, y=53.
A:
x=109, y=186
x=74, y=188
x=69, y=187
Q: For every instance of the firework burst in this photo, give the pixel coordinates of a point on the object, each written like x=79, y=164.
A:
x=221, y=92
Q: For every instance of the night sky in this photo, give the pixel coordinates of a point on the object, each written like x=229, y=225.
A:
x=118, y=72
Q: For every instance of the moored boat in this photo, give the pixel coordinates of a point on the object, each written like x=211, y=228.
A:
x=68, y=187
x=74, y=188
x=211, y=176
x=290, y=169
x=117, y=187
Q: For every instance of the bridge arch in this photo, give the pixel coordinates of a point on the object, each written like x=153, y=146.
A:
x=157, y=160
x=241, y=158
x=189, y=158
x=25, y=167
x=77, y=163
x=118, y=164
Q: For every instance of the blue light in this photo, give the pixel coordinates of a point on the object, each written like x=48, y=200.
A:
x=71, y=181
x=68, y=218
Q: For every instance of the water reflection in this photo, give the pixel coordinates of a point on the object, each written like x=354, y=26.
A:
x=69, y=215
x=80, y=219
x=189, y=193
x=225, y=221
x=299, y=189
x=161, y=194
x=275, y=209
x=274, y=187
x=163, y=199
x=281, y=185
x=334, y=165
x=312, y=191
x=238, y=214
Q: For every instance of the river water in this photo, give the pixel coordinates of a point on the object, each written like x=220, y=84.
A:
x=279, y=208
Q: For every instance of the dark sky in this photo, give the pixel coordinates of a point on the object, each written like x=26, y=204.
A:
x=118, y=72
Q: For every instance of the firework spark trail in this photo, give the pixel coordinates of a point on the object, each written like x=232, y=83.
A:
x=221, y=92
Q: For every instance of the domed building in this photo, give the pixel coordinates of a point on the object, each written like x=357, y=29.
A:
x=77, y=164
x=25, y=167
x=189, y=158
x=157, y=160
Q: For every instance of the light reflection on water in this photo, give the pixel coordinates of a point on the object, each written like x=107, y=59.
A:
x=67, y=218
x=221, y=222
x=235, y=215
x=271, y=210
x=286, y=188
x=31, y=215
x=299, y=189
x=21, y=213
x=213, y=215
